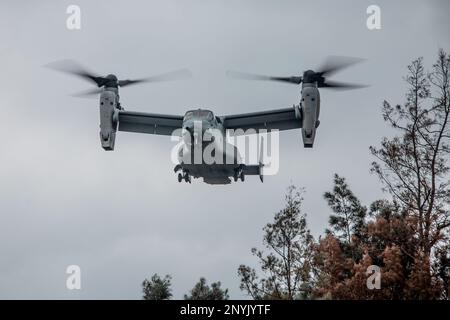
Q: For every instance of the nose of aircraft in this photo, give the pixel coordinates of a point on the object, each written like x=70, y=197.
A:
x=187, y=136
x=194, y=131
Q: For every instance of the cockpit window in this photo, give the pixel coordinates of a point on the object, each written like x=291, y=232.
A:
x=208, y=115
x=201, y=114
x=188, y=115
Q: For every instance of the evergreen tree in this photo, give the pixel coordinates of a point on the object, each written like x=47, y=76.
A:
x=202, y=291
x=286, y=267
x=157, y=288
x=347, y=222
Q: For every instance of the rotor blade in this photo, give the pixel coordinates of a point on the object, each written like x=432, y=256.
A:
x=341, y=85
x=335, y=63
x=73, y=67
x=173, y=75
x=251, y=76
x=91, y=93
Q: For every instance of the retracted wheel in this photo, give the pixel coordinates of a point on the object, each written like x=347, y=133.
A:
x=180, y=177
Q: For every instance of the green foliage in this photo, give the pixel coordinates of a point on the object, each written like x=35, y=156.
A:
x=286, y=267
x=202, y=291
x=157, y=288
x=349, y=214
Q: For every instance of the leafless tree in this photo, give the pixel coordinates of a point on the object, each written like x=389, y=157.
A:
x=413, y=165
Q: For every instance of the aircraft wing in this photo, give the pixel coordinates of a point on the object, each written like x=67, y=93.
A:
x=281, y=119
x=151, y=123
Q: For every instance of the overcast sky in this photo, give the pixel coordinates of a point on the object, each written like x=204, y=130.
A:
x=122, y=216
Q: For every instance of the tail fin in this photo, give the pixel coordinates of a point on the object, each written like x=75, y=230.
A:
x=261, y=160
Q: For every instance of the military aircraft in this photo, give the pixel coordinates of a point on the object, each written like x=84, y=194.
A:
x=196, y=124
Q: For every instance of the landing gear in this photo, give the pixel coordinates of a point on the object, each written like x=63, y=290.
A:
x=184, y=175
x=239, y=174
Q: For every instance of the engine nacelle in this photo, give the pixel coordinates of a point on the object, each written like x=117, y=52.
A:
x=108, y=123
x=310, y=108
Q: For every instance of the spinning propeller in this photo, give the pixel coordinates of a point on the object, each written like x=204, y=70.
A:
x=332, y=65
x=110, y=81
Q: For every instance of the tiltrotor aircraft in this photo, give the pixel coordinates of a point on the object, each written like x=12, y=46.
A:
x=304, y=116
